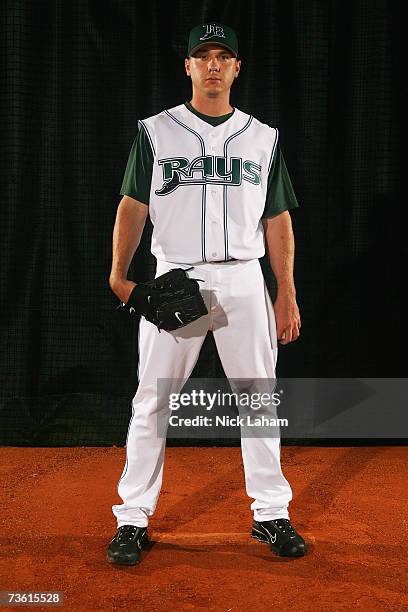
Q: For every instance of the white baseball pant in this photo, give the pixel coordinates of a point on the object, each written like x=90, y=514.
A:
x=242, y=319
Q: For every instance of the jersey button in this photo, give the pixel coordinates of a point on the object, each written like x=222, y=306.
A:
x=214, y=254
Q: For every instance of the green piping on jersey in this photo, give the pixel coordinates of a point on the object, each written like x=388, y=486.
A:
x=273, y=151
x=148, y=136
x=204, y=190
x=174, y=168
x=225, y=191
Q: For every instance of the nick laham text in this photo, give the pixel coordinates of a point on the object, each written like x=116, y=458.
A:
x=226, y=421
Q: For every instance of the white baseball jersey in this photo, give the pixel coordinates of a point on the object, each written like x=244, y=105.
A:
x=208, y=186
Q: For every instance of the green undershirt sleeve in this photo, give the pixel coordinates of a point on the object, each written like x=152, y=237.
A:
x=280, y=195
x=138, y=174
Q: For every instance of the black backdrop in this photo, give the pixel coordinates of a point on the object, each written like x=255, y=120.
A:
x=76, y=75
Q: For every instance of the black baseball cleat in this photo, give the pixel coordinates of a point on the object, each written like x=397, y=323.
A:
x=126, y=547
x=281, y=536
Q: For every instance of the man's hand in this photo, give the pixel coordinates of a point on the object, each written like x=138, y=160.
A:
x=287, y=317
x=121, y=287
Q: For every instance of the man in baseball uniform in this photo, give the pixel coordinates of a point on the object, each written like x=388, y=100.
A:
x=215, y=184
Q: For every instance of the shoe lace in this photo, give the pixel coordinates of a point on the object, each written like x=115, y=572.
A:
x=285, y=526
x=127, y=532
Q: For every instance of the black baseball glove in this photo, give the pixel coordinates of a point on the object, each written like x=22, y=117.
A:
x=169, y=301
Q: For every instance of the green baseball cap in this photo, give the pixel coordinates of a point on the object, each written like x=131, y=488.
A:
x=215, y=33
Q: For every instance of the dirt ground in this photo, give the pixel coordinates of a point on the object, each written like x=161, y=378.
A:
x=350, y=504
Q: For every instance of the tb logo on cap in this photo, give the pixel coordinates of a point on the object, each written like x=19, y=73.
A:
x=213, y=30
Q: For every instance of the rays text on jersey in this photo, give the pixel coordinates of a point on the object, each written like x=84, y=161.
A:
x=207, y=169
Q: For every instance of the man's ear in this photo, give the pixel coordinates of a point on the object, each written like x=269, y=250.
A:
x=238, y=68
x=187, y=65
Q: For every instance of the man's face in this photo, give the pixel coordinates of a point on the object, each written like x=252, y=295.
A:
x=212, y=69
